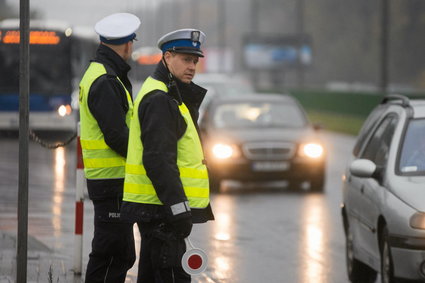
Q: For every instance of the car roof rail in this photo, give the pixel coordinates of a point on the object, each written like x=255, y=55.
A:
x=397, y=99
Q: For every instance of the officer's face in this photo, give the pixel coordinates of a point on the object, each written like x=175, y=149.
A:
x=182, y=66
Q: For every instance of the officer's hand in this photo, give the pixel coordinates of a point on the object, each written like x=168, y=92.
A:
x=182, y=224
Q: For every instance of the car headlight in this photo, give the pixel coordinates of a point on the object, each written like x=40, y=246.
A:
x=64, y=110
x=417, y=221
x=224, y=151
x=312, y=150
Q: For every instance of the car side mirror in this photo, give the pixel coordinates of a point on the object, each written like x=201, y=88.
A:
x=363, y=168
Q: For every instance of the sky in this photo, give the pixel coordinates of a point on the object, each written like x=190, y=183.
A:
x=82, y=12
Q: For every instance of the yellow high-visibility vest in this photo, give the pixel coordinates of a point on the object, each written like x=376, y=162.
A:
x=100, y=161
x=193, y=173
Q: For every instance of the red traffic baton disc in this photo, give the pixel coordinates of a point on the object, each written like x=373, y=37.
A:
x=194, y=260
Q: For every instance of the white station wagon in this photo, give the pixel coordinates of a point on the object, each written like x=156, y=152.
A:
x=383, y=206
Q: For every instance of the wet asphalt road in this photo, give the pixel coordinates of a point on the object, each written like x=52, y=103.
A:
x=260, y=235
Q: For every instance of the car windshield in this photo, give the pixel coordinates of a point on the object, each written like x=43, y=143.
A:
x=412, y=156
x=258, y=115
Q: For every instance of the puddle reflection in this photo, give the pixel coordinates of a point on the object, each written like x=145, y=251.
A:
x=222, y=258
x=314, y=240
x=58, y=190
x=222, y=226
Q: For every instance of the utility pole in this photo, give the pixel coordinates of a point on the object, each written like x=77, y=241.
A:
x=385, y=27
x=300, y=32
x=255, y=30
x=195, y=12
x=221, y=10
x=22, y=247
x=254, y=16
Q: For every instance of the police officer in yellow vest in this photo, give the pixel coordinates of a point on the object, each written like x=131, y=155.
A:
x=106, y=107
x=166, y=186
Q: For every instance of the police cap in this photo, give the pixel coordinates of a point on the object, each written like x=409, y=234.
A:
x=183, y=41
x=117, y=28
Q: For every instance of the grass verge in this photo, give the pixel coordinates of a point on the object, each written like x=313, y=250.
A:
x=343, y=123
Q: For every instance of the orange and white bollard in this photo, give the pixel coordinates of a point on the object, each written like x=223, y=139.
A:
x=79, y=208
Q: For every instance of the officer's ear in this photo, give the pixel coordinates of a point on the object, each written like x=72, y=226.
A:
x=167, y=56
x=127, y=50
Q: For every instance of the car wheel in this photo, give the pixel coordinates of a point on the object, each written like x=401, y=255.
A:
x=387, y=271
x=357, y=271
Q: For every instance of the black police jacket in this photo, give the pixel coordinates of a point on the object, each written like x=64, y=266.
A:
x=107, y=101
x=162, y=126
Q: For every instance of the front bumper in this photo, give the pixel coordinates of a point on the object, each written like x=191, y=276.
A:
x=247, y=170
x=407, y=263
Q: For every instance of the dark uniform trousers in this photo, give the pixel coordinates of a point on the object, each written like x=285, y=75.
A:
x=113, y=251
x=160, y=255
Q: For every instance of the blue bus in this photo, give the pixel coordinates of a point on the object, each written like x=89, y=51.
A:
x=59, y=55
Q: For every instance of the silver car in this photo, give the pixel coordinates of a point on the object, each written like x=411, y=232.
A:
x=383, y=207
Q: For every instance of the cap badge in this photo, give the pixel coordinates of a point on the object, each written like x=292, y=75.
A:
x=195, y=35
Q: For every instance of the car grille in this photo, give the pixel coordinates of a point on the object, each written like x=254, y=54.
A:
x=268, y=150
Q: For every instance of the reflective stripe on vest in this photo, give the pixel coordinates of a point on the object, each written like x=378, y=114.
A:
x=193, y=173
x=100, y=161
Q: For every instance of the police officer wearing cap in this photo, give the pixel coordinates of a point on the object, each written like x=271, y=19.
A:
x=106, y=108
x=166, y=186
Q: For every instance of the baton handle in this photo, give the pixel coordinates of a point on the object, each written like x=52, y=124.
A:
x=189, y=245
